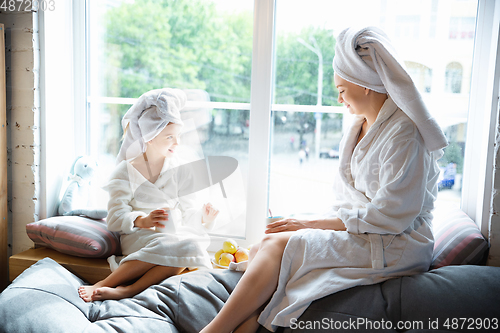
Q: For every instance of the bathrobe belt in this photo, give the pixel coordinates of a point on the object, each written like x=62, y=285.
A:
x=377, y=250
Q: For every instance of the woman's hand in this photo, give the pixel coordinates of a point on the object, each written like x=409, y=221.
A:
x=209, y=213
x=154, y=219
x=289, y=224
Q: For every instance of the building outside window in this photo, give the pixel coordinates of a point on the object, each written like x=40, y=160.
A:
x=206, y=48
x=462, y=27
x=454, y=78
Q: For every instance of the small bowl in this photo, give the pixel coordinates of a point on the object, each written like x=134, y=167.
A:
x=215, y=265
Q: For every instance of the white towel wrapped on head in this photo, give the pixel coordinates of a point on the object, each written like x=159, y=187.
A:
x=148, y=117
x=367, y=58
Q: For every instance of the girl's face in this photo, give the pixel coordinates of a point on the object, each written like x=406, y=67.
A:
x=354, y=97
x=167, y=141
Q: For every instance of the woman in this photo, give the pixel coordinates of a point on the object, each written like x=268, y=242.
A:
x=380, y=225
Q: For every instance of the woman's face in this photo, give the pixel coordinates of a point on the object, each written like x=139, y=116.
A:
x=354, y=97
x=167, y=141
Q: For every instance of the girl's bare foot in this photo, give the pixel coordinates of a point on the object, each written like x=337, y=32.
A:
x=104, y=293
x=86, y=292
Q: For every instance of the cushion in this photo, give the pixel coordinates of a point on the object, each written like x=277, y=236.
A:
x=36, y=300
x=434, y=301
x=75, y=235
x=457, y=239
x=44, y=298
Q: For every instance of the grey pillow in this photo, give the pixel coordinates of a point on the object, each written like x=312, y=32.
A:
x=44, y=298
x=466, y=291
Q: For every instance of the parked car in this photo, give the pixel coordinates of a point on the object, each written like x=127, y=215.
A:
x=329, y=153
x=447, y=176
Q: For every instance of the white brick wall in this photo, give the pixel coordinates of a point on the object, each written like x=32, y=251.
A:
x=23, y=119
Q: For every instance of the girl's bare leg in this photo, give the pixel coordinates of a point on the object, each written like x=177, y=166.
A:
x=153, y=276
x=126, y=272
x=254, y=289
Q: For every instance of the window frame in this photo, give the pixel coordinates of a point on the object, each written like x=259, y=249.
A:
x=483, y=116
x=481, y=125
x=260, y=119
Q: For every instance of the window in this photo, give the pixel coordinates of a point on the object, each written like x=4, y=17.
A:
x=300, y=104
x=421, y=75
x=453, y=78
x=462, y=27
x=307, y=121
x=408, y=26
x=203, y=47
x=433, y=19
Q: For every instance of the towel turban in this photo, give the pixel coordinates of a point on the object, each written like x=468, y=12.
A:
x=148, y=117
x=367, y=58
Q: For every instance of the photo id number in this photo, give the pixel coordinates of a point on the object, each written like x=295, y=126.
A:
x=27, y=5
x=471, y=324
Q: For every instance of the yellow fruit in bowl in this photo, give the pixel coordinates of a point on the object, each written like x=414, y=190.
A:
x=230, y=246
x=225, y=259
x=241, y=254
x=217, y=255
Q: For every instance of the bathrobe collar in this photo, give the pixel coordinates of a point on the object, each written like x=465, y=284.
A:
x=137, y=179
x=387, y=110
x=349, y=146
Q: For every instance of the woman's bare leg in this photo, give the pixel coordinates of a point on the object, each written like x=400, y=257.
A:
x=250, y=325
x=126, y=272
x=255, y=287
x=153, y=276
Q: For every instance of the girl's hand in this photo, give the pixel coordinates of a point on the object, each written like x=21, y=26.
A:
x=289, y=224
x=154, y=219
x=209, y=213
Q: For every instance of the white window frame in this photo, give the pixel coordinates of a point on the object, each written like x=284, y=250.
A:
x=58, y=142
x=477, y=180
x=483, y=116
x=260, y=119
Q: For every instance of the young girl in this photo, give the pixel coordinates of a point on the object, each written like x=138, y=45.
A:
x=380, y=225
x=161, y=233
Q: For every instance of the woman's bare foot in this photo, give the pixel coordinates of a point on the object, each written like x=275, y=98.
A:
x=105, y=293
x=86, y=292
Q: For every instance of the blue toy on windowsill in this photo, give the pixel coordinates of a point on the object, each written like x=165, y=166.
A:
x=75, y=198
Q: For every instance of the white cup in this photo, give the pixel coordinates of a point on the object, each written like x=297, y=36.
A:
x=169, y=223
x=274, y=218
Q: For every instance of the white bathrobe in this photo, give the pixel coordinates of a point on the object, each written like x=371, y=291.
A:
x=385, y=190
x=132, y=195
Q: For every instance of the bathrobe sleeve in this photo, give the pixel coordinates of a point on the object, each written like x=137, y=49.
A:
x=121, y=215
x=401, y=192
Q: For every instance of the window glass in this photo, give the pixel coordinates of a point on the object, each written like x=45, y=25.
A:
x=434, y=40
x=201, y=46
x=453, y=78
x=205, y=47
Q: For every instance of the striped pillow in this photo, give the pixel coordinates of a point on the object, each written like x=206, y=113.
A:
x=457, y=239
x=75, y=235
